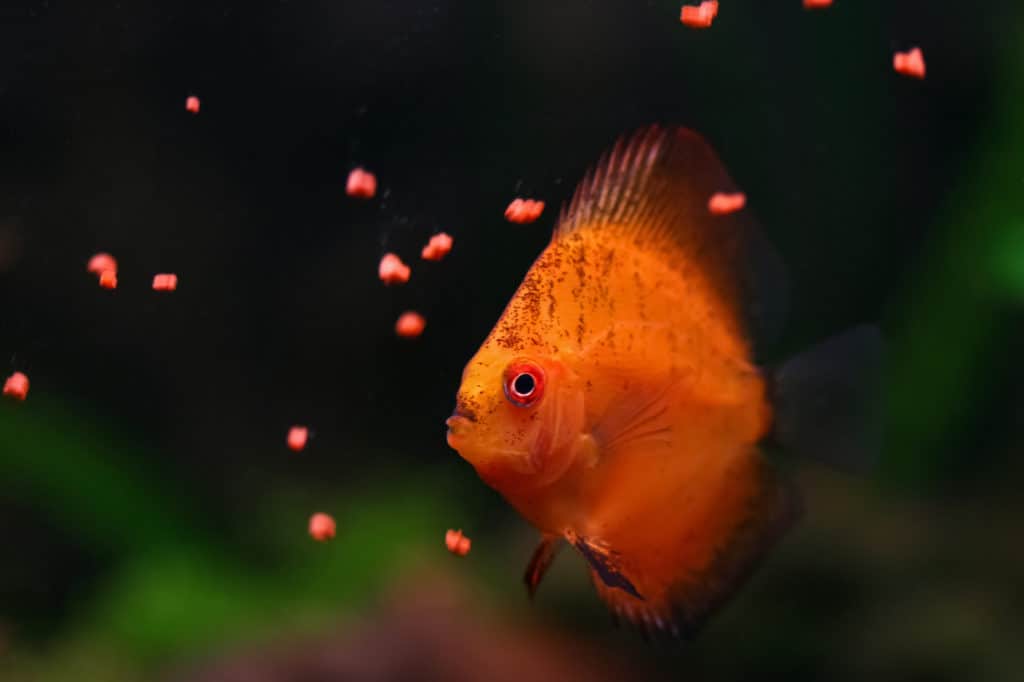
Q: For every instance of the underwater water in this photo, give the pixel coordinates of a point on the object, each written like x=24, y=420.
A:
x=154, y=520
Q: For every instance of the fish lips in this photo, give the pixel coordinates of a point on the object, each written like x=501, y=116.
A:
x=489, y=461
x=458, y=424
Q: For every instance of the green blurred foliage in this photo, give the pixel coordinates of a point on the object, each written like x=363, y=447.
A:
x=955, y=332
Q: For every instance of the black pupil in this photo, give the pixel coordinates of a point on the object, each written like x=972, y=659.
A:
x=523, y=384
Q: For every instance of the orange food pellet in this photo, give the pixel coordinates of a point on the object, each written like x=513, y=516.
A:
x=817, y=4
x=16, y=386
x=524, y=211
x=721, y=203
x=192, y=104
x=699, y=16
x=108, y=279
x=361, y=184
x=297, y=437
x=322, y=527
x=410, y=325
x=456, y=542
x=102, y=262
x=392, y=270
x=165, y=282
x=438, y=247
x=910, y=63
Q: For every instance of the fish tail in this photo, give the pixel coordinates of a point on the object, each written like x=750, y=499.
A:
x=826, y=401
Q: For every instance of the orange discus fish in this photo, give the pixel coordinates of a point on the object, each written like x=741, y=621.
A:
x=617, y=405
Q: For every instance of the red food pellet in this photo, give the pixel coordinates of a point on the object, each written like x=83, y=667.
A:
x=456, y=542
x=514, y=211
x=165, y=282
x=392, y=270
x=192, y=104
x=108, y=279
x=410, y=325
x=297, y=437
x=361, y=184
x=438, y=247
x=524, y=211
x=699, y=16
x=817, y=4
x=721, y=203
x=16, y=386
x=102, y=262
x=321, y=527
x=910, y=63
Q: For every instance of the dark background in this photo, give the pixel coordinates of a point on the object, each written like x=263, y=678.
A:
x=153, y=523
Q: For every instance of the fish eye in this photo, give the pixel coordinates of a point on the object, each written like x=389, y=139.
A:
x=524, y=383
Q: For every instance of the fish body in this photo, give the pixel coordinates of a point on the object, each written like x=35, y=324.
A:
x=616, y=404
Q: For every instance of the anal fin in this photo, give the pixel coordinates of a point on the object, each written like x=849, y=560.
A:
x=659, y=585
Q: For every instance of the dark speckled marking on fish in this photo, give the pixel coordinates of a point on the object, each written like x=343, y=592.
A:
x=641, y=310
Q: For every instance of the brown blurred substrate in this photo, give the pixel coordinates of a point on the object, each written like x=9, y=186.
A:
x=427, y=630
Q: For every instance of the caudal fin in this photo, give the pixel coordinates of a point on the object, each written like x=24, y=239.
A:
x=827, y=401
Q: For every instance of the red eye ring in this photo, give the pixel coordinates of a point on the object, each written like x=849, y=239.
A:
x=524, y=383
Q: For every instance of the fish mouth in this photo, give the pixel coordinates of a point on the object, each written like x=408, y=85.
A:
x=457, y=425
x=456, y=422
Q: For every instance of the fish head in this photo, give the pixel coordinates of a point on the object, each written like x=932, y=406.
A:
x=517, y=418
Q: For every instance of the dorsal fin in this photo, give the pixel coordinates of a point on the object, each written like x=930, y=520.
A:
x=655, y=185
